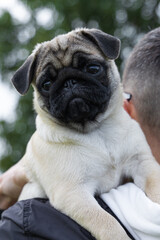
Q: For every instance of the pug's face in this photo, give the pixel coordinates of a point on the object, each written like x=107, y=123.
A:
x=73, y=76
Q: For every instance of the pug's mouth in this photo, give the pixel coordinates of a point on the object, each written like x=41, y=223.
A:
x=78, y=105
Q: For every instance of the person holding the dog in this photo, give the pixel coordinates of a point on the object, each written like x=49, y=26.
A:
x=128, y=203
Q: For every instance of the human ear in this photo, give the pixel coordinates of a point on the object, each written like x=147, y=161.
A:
x=130, y=109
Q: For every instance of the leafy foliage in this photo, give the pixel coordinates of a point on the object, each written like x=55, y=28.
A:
x=126, y=19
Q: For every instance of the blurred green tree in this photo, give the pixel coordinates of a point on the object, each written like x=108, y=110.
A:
x=126, y=19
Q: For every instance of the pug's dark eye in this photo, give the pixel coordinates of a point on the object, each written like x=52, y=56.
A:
x=93, y=69
x=46, y=85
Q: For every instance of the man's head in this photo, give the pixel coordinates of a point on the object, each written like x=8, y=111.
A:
x=141, y=79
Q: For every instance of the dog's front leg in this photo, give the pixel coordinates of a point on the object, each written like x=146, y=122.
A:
x=82, y=207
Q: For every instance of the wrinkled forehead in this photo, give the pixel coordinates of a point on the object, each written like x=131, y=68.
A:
x=61, y=51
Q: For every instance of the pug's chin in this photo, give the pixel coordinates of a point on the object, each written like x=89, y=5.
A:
x=84, y=127
x=77, y=112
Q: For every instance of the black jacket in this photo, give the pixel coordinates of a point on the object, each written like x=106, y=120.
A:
x=36, y=219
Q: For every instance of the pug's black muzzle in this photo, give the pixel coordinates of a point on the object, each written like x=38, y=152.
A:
x=77, y=96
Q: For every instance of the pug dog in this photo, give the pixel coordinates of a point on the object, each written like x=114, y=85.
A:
x=85, y=143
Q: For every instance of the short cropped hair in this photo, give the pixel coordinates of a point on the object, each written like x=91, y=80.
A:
x=141, y=78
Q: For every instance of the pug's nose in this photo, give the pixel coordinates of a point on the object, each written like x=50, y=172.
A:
x=70, y=83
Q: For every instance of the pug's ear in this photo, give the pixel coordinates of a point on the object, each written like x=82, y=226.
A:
x=109, y=45
x=24, y=75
